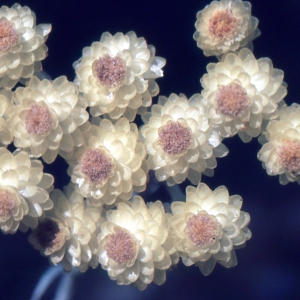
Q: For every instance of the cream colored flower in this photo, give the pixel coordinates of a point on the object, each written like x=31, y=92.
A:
x=280, y=153
x=225, y=26
x=179, y=140
x=6, y=136
x=46, y=117
x=112, y=165
x=240, y=92
x=66, y=234
x=24, y=190
x=117, y=75
x=208, y=226
x=134, y=245
x=22, y=44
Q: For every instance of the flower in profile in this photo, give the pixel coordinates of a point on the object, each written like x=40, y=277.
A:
x=46, y=116
x=66, y=234
x=280, y=152
x=24, y=190
x=208, y=226
x=179, y=140
x=134, y=245
x=241, y=92
x=112, y=165
x=22, y=44
x=117, y=75
x=225, y=26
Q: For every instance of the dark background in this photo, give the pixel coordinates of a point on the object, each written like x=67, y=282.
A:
x=268, y=267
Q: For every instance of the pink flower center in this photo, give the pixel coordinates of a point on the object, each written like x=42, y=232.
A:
x=7, y=204
x=8, y=35
x=289, y=156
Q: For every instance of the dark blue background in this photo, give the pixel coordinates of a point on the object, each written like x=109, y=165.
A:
x=268, y=267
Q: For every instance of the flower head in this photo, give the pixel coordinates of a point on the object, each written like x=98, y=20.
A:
x=224, y=26
x=208, y=226
x=117, y=75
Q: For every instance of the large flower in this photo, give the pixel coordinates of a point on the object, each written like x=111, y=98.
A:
x=280, y=153
x=134, y=245
x=208, y=226
x=46, y=117
x=22, y=44
x=179, y=141
x=66, y=235
x=112, y=165
x=24, y=190
x=117, y=75
x=225, y=26
x=240, y=92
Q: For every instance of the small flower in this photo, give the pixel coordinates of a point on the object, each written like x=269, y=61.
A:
x=280, y=153
x=117, y=75
x=22, y=44
x=46, y=117
x=24, y=190
x=225, y=26
x=241, y=92
x=112, y=165
x=208, y=226
x=66, y=234
x=134, y=246
x=179, y=141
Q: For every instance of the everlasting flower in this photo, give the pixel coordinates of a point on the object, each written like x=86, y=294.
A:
x=66, y=235
x=225, y=26
x=134, y=246
x=240, y=92
x=280, y=153
x=208, y=226
x=22, y=44
x=46, y=117
x=112, y=165
x=24, y=190
x=117, y=75
x=179, y=141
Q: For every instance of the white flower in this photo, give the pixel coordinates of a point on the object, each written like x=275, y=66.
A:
x=46, y=117
x=24, y=190
x=225, y=26
x=6, y=136
x=112, y=165
x=66, y=234
x=179, y=140
x=240, y=92
x=280, y=153
x=134, y=246
x=208, y=226
x=22, y=44
x=117, y=75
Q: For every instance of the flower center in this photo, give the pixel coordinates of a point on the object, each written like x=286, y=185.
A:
x=222, y=25
x=7, y=204
x=38, y=120
x=202, y=229
x=97, y=165
x=289, y=156
x=8, y=35
x=110, y=71
x=122, y=247
x=174, y=138
x=232, y=100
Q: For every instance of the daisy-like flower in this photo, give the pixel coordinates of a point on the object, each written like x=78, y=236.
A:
x=6, y=136
x=22, y=44
x=66, y=235
x=280, y=153
x=24, y=190
x=112, y=165
x=208, y=226
x=117, y=75
x=134, y=245
x=225, y=26
x=46, y=117
x=179, y=140
x=240, y=92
